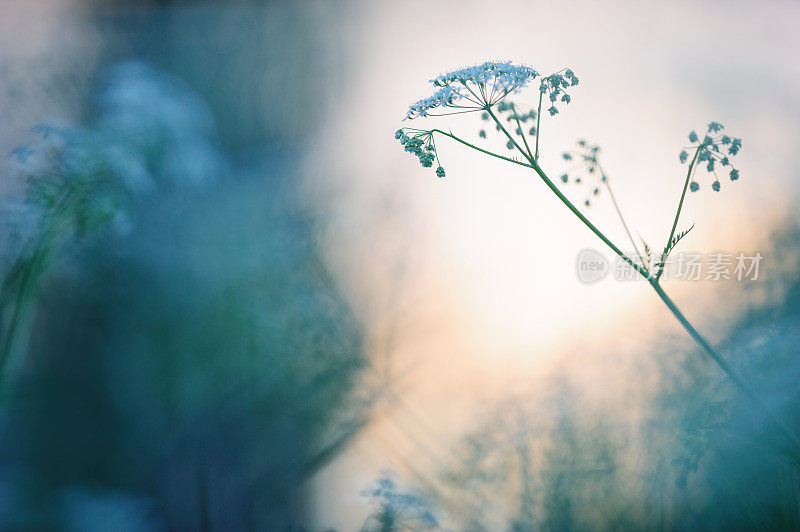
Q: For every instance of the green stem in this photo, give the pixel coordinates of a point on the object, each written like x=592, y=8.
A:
x=694, y=333
x=522, y=133
x=722, y=363
x=665, y=253
x=487, y=152
x=569, y=204
x=538, y=122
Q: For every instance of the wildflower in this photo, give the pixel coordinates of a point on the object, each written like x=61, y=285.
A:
x=564, y=178
x=709, y=151
x=440, y=172
x=404, y=510
x=555, y=86
x=474, y=87
x=420, y=143
x=482, y=133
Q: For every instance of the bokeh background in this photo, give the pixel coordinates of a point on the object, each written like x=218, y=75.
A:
x=253, y=304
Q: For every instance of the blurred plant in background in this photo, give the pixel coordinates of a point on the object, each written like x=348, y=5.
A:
x=152, y=135
x=175, y=354
x=396, y=510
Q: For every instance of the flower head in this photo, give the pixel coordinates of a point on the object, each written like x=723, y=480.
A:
x=555, y=86
x=420, y=143
x=474, y=87
x=710, y=151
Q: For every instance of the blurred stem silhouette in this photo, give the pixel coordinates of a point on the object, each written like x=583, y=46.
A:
x=619, y=214
x=20, y=284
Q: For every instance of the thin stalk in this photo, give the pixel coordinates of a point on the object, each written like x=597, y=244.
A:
x=538, y=122
x=487, y=152
x=664, y=254
x=569, y=204
x=622, y=219
x=653, y=281
x=522, y=133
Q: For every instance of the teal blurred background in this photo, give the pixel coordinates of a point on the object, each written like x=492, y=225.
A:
x=230, y=302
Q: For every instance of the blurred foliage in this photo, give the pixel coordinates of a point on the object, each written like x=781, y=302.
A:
x=183, y=361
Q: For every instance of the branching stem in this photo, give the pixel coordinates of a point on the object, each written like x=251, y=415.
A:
x=740, y=383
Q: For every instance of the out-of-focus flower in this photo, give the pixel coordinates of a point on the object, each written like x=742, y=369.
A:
x=396, y=510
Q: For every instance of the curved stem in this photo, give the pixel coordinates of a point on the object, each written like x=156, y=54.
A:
x=487, y=152
x=569, y=204
x=723, y=364
x=653, y=281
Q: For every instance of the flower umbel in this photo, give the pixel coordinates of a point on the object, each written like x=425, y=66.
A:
x=712, y=151
x=473, y=88
x=420, y=143
x=555, y=86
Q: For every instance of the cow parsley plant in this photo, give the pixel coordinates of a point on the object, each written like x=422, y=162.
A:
x=490, y=89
